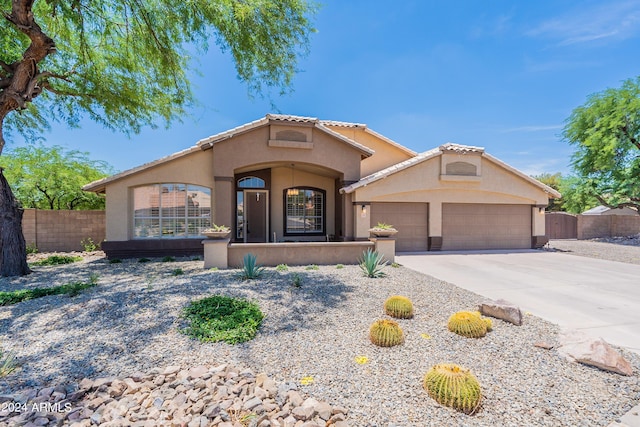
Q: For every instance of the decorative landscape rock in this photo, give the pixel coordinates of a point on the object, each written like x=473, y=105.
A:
x=501, y=309
x=578, y=346
x=200, y=396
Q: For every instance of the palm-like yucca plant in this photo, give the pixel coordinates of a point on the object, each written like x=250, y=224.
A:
x=250, y=268
x=372, y=263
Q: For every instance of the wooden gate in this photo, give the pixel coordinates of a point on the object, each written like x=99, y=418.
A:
x=561, y=225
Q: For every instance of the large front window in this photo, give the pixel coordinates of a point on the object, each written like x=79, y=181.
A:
x=305, y=211
x=171, y=211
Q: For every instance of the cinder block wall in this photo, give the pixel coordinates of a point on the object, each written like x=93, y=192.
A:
x=594, y=226
x=62, y=231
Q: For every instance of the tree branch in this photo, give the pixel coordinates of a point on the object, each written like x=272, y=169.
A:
x=633, y=139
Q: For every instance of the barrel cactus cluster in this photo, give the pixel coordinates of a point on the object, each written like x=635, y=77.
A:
x=453, y=386
x=399, y=307
x=470, y=324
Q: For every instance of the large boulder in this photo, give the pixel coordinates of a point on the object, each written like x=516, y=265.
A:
x=502, y=309
x=578, y=346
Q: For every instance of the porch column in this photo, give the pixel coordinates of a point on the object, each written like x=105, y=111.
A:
x=362, y=216
x=538, y=233
x=435, y=226
x=223, y=203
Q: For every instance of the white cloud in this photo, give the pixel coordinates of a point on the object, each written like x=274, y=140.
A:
x=604, y=22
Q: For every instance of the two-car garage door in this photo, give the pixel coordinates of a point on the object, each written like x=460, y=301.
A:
x=483, y=226
x=465, y=226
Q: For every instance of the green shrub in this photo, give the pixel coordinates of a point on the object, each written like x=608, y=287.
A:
x=312, y=267
x=372, y=263
x=296, y=280
x=89, y=245
x=453, y=386
x=177, y=272
x=144, y=260
x=395, y=265
x=115, y=261
x=282, y=267
x=339, y=266
x=250, y=268
x=168, y=259
x=220, y=318
x=32, y=248
x=71, y=289
x=58, y=260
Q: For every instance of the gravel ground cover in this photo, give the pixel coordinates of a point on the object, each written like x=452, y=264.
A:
x=313, y=335
x=622, y=249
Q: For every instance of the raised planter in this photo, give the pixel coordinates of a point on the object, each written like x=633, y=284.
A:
x=217, y=235
x=382, y=232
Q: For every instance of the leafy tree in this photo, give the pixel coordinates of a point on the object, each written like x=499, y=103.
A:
x=606, y=134
x=575, y=197
x=124, y=64
x=553, y=181
x=52, y=178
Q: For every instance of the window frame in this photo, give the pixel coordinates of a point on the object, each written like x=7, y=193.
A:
x=202, y=222
x=285, y=215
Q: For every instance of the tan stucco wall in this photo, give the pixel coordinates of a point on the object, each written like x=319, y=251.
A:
x=422, y=183
x=385, y=154
x=282, y=178
x=251, y=150
x=195, y=168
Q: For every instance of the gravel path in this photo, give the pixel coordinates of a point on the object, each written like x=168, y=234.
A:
x=130, y=323
x=622, y=249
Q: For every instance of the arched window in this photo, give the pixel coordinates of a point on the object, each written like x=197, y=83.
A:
x=170, y=211
x=304, y=211
x=251, y=182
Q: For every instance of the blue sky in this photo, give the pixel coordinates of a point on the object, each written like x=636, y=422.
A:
x=499, y=74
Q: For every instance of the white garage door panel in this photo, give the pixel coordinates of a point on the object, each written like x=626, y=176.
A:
x=478, y=226
x=410, y=219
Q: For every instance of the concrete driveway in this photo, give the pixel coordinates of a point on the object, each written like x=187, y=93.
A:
x=600, y=297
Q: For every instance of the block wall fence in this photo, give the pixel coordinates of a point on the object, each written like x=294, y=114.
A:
x=62, y=230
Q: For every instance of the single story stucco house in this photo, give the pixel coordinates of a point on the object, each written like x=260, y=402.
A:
x=288, y=179
x=605, y=210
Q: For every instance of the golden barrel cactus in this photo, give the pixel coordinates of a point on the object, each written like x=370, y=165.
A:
x=399, y=307
x=468, y=324
x=453, y=386
x=386, y=333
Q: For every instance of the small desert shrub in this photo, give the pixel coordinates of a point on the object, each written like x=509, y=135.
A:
x=220, y=318
x=312, y=267
x=71, y=289
x=282, y=267
x=395, y=265
x=168, y=259
x=372, y=263
x=177, y=272
x=115, y=261
x=7, y=363
x=32, y=249
x=453, y=386
x=144, y=260
x=250, y=268
x=89, y=245
x=339, y=266
x=58, y=260
x=296, y=280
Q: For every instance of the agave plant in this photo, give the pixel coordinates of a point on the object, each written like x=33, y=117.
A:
x=372, y=263
x=250, y=268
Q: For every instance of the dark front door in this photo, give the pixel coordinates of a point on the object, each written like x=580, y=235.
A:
x=256, y=205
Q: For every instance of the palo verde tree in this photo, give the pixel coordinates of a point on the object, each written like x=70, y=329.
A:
x=606, y=134
x=124, y=64
x=52, y=177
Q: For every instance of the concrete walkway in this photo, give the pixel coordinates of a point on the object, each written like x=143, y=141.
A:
x=600, y=297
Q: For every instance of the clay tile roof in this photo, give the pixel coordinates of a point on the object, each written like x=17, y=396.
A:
x=459, y=148
x=343, y=124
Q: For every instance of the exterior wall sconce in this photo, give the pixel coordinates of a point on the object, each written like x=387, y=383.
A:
x=363, y=211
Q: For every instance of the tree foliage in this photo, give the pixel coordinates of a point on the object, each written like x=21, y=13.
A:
x=52, y=178
x=606, y=134
x=124, y=64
